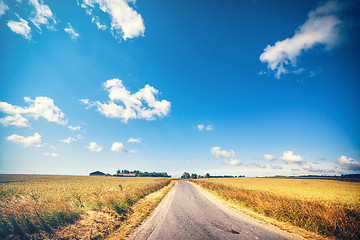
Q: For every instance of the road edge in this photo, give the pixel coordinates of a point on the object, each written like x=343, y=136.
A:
x=151, y=222
x=142, y=210
x=229, y=208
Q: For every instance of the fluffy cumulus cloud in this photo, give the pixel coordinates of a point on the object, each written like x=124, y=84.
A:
x=31, y=141
x=268, y=157
x=321, y=28
x=289, y=157
x=217, y=152
x=40, y=107
x=134, y=140
x=126, y=23
x=124, y=105
x=3, y=8
x=42, y=14
x=202, y=127
x=71, y=31
x=20, y=27
x=232, y=162
x=15, y=120
x=68, y=140
x=348, y=163
x=228, y=156
x=52, y=154
x=94, y=147
x=118, y=147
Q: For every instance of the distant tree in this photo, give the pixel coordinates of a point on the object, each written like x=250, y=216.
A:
x=194, y=175
x=186, y=175
x=207, y=175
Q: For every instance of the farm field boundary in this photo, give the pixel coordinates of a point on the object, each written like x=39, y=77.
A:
x=312, y=219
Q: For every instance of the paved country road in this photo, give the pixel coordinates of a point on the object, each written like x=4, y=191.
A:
x=187, y=212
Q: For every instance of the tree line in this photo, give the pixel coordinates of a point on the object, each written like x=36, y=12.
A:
x=187, y=175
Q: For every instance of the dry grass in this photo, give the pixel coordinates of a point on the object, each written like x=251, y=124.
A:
x=37, y=206
x=299, y=202
x=141, y=210
x=311, y=189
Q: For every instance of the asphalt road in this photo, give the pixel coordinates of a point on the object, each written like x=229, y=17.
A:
x=189, y=213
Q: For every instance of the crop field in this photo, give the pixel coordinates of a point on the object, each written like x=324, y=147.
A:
x=328, y=207
x=41, y=204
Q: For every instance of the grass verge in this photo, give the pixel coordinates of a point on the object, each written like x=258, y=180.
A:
x=140, y=211
x=327, y=218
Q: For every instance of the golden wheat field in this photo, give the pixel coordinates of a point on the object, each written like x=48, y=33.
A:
x=30, y=204
x=331, y=190
x=328, y=207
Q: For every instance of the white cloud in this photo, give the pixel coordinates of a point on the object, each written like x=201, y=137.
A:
x=118, y=147
x=42, y=15
x=348, y=163
x=209, y=127
x=200, y=127
x=96, y=20
x=276, y=167
x=31, y=141
x=54, y=155
x=290, y=157
x=232, y=161
x=68, y=140
x=321, y=28
x=126, y=23
x=134, y=140
x=3, y=8
x=217, y=152
x=70, y=30
x=21, y=27
x=229, y=156
x=139, y=105
x=311, y=168
x=94, y=147
x=268, y=157
x=15, y=120
x=74, y=128
x=40, y=107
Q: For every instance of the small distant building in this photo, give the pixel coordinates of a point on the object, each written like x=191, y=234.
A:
x=97, y=173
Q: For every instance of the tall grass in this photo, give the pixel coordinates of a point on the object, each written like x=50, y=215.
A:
x=29, y=204
x=329, y=218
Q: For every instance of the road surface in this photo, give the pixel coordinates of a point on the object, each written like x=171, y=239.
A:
x=189, y=213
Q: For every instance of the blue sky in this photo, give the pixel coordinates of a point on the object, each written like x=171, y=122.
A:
x=255, y=88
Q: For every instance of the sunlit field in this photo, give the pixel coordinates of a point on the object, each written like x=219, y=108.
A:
x=32, y=203
x=327, y=207
x=345, y=192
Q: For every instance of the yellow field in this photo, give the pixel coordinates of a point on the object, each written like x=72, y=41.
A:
x=327, y=207
x=33, y=203
x=331, y=190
